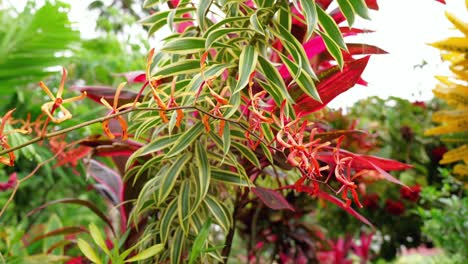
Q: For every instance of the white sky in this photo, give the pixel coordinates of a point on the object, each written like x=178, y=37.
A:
x=403, y=27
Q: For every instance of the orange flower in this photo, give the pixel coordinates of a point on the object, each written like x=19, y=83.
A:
x=115, y=110
x=57, y=101
x=10, y=160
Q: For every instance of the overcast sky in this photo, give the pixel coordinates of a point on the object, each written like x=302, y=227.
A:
x=403, y=27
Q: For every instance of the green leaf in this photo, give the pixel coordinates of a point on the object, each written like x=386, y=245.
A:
x=229, y=177
x=226, y=138
x=156, y=145
x=273, y=77
x=88, y=251
x=147, y=253
x=167, y=219
x=218, y=33
x=257, y=25
x=97, y=237
x=347, y=11
x=169, y=178
x=150, y=3
x=180, y=67
x=330, y=27
x=222, y=23
x=200, y=241
x=211, y=71
x=185, y=139
x=202, y=9
x=284, y=16
x=247, y=153
x=310, y=12
x=304, y=80
x=332, y=48
x=183, y=206
x=247, y=64
x=360, y=8
x=185, y=45
x=202, y=181
x=177, y=247
x=294, y=47
x=218, y=212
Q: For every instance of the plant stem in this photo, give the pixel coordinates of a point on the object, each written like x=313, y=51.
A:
x=232, y=230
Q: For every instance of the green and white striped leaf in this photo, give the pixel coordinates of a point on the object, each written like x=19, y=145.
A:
x=229, y=177
x=347, y=11
x=218, y=212
x=360, y=8
x=177, y=246
x=185, y=45
x=247, y=153
x=170, y=177
x=310, y=13
x=274, y=78
x=203, y=177
x=181, y=67
x=167, y=219
x=200, y=242
x=185, y=140
x=183, y=206
x=219, y=33
x=202, y=9
x=330, y=27
x=333, y=48
x=247, y=64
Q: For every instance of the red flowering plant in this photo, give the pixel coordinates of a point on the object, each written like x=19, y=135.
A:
x=395, y=128
x=219, y=132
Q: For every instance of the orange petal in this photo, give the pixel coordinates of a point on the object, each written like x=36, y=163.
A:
x=206, y=123
x=5, y=120
x=180, y=117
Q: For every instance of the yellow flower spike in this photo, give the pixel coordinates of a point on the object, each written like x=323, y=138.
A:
x=460, y=153
x=455, y=44
x=449, y=127
x=460, y=25
x=115, y=110
x=57, y=101
x=449, y=115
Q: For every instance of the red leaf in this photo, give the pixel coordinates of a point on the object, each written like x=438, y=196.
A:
x=372, y=4
x=272, y=199
x=105, y=147
x=323, y=3
x=95, y=93
x=331, y=86
x=441, y=1
x=337, y=15
x=342, y=205
x=60, y=231
x=134, y=76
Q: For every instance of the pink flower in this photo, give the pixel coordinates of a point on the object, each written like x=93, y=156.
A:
x=10, y=184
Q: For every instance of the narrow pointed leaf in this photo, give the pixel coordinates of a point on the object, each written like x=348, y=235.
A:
x=347, y=10
x=247, y=153
x=177, y=247
x=203, y=176
x=185, y=140
x=181, y=67
x=169, y=178
x=333, y=48
x=218, y=212
x=147, y=253
x=330, y=27
x=97, y=237
x=310, y=12
x=200, y=242
x=167, y=219
x=360, y=8
x=247, y=64
x=88, y=251
x=228, y=177
x=202, y=9
x=183, y=206
x=272, y=76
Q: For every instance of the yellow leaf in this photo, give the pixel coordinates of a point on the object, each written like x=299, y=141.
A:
x=460, y=25
x=460, y=153
x=456, y=44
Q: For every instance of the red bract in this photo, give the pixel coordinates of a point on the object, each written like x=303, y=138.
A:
x=76, y=260
x=363, y=249
x=337, y=253
x=10, y=184
x=410, y=193
x=394, y=207
x=331, y=86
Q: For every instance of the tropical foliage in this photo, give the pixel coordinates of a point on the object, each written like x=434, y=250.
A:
x=221, y=135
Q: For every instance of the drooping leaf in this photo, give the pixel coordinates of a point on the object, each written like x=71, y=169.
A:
x=184, y=207
x=180, y=67
x=272, y=198
x=202, y=181
x=310, y=12
x=202, y=9
x=185, y=140
x=332, y=48
x=177, y=246
x=247, y=64
x=330, y=28
x=200, y=242
x=347, y=10
x=169, y=178
x=274, y=78
x=360, y=8
x=228, y=177
x=167, y=219
x=218, y=212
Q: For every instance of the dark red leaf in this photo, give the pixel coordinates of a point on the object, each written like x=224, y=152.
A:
x=134, y=76
x=95, y=93
x=105, y=147
x=60, y=231
x=337, y=15
x=272, y=199
x=323, y=3
x=441, y=1
x=85, y=203
x=332, y=85
x=107, y=177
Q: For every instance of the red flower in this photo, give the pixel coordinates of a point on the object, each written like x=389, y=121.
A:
x=394, y=207
x=420, y=104
x=371, y=201
x=76, y=260
x=410, y=193
x=10, y=184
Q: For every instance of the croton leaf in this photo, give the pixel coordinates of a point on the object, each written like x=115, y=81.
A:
x=134, y=76
x=372, y=4
x=95, y=93
x=332, y=85
x=272, y=198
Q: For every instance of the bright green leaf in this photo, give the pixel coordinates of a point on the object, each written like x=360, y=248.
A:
x=169, y=178
x=185, y=139
x=330, y=27
x=247, y=64
x=88, y=251
x=308, y=8
x=147, y=253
